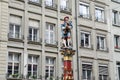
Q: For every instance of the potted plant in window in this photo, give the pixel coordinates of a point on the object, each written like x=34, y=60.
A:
x=15, y=75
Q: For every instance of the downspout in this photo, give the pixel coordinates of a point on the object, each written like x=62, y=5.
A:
x=76, y=19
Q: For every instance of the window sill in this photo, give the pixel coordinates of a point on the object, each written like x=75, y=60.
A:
x=14, y=78
x=64, y=11
x=102, y=50
x=88, y=18
x=15, y=39
x=116, y=25
x=21, y=0
x=104, y=22
x=51, y=45
x=34, y=3
x=117, y=49
x=33, y=42
x=82, y=47
x=50, y=7
x=115, y=1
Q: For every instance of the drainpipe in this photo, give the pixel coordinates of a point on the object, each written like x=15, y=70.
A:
x=76, y=19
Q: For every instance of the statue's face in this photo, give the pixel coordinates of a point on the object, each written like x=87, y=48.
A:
x=66, y=19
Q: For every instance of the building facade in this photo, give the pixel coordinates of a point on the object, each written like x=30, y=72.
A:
x=30, y=39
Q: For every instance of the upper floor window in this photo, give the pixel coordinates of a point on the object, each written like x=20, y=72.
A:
x=13, y=64
x=117, y=41
x=15, y=27
x=49, y=2
x=99, y=14
x=103, y=72
x=115, y=17
x=101, y=42
x=87, y=71
x=63, y=4
x=32, y=66
x=116, y=0
x=84, y=10
x=118, y=70
x=36, y=1
x=50, y=33
x=50, y=67
x=33, y=30
x=85, y=39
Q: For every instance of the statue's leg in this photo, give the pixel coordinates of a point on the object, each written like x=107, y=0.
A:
x=64, y=42
x=69, y=40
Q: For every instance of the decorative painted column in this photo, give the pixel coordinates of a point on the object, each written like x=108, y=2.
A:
x=68, y=71
x=67, y=48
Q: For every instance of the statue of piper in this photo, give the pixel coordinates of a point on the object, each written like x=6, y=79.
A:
x=66, y=32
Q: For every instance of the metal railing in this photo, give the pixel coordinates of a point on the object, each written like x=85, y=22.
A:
x=66, y=9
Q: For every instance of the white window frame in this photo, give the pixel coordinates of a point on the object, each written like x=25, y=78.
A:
x=49, y=66
x=118, y=66
x=117, y=17
x=63, y=7
x=87, y=71
x=116, y=42
x=100, y=43
x=87, y=10
x=12, y=34
x=14, y=62
x=102, y=12
x=32, y=38
x=33, y=63
x=49, y=2
x=48, y=33
x=103, y=65
x=89, y=38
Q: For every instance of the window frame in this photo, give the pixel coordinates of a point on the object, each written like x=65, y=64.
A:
x=49, y=65
x=89, y=38
x=13, y=62
x=86, y=70
x=37, y=36
x=102, y=12
x=87, y=5
x=48, y=33
x=32, y=63
x=100, y=43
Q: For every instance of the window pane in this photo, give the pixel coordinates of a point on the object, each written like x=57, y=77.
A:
x=29, y=59
x=17, y=31
x=9, y=68
x=63, y=4
x=29, y=67
x=10, y=57
x=84, y=74
x=35, y=68
x=16, y=57
x=89, y=74
x=16, y=68
x=34, y=59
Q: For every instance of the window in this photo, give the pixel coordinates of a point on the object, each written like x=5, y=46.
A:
x=49, y=2
x=85, y=39
x=99, y=14
x=36, y=1
x=87, y=71
x=101, y=42
x=117, y=41
x=118, y=70
x=84, y=10
x=116, y=1
x=15, y=27
x=32, y=66
x=63, y=4
x=103, y=72
x=115, y=17
x=50, y=33
x=33, y=30
x=13, y=64
x=50, y=67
